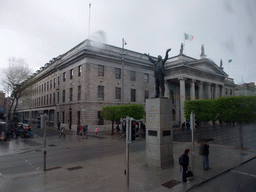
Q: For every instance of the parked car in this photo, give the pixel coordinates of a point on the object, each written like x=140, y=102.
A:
x=2, y=130
x=26, y=127
x=20, y=124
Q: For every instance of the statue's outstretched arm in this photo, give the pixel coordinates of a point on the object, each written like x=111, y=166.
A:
x=166, y=55
x=150, y=58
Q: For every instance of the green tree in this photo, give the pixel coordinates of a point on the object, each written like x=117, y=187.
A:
x=204, y=111
x=115, y=112
x=235, y=109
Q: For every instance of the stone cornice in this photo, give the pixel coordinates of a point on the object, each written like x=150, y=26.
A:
x=108, y=53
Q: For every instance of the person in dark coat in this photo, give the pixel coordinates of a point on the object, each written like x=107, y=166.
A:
x=58, y=125
x=78, y=129
x=85, y=130
x=17, y=132
x=185, y=165
x=188, y=125
x=117, y=130
x=183, y=126
x=205, y=154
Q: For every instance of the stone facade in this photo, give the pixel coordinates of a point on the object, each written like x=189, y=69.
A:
x=67, y=86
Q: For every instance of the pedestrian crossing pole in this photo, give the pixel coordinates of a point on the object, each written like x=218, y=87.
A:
x=127, y=150
x=43, y=126
x=192, y=127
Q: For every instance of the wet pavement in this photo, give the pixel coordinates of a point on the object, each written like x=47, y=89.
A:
x=106, y=172
x=222, y=135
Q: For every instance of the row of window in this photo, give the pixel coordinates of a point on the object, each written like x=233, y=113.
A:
x=51, y=84
x=50, y=99
x=118, y=94
x=118, y=74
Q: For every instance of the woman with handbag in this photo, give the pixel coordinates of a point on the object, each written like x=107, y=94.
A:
x=185, y=165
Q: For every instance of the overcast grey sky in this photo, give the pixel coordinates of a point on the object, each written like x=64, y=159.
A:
x=38, y=30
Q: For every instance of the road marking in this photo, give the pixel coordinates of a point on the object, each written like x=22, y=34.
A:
x=243, y=173
x=1, y=174
x=28, y=162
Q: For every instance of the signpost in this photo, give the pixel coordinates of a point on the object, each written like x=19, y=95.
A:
x=43, y=126
x=192, y=127
x=130, y=124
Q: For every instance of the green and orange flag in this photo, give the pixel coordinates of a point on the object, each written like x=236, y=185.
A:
x=188, y=37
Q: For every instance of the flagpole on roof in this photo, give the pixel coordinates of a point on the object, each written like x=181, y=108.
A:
x=89, y=20
x=184, y=42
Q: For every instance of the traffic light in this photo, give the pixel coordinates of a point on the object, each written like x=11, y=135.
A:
x=133, y=130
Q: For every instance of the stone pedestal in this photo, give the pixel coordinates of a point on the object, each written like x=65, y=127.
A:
x=159, y=133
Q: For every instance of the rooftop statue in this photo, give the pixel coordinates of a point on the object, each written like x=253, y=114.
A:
x=202, y=50
x=181, y=49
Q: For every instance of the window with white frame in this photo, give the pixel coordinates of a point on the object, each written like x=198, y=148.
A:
x=118, y=94
x=100, y=70
x=100, y=92
x=133, y=75
x=118, y=73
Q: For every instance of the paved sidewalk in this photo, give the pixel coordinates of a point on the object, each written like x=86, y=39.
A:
x=107, y=174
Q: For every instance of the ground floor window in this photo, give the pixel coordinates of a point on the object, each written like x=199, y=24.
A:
x=100, y=119
x=63, y=117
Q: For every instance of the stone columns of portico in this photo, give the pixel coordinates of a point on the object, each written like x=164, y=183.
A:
x=221, y=91
x=208, y=90
x=167, y=90
x=201, y=90
x=182, y=99
x=217, y=91
x=192, y=90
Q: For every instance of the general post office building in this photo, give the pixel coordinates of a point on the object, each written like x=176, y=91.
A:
x=73, y=87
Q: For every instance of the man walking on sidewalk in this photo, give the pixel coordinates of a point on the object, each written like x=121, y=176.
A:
x=204, y=151
x=85, y=129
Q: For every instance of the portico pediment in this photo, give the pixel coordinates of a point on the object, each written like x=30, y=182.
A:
x=207, y=65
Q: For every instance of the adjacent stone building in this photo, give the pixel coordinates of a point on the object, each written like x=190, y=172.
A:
x=245, y=89
x=74, y=87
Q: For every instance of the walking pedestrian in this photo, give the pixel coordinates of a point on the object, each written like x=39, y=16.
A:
x=183, y=126
x=25, y=134
x=58, y=125
x=78, y=129
x=81, y=131
x=184, y=162
x=69, y=126
x=85, y=129
x=62, y=132
x=96, y=131
x=204, y=151
x=188, y=124
x=117, y=129
x=17, y=132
